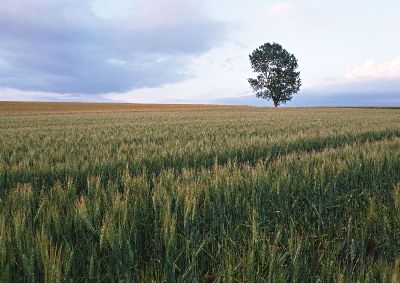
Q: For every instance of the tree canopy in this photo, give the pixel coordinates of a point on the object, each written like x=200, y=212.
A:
x=278, y=78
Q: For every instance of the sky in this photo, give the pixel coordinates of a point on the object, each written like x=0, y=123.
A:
x=190, y=51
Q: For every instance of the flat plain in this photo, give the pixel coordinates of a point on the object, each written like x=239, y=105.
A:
x=96, y=192
x=15, y=107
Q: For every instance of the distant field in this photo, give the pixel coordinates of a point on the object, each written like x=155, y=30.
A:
x=204, y=194
x=76, y=107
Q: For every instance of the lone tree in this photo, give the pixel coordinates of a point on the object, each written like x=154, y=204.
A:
x=278, y=78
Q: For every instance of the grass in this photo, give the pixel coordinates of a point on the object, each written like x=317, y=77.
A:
x=200, y=194
x=12, y=107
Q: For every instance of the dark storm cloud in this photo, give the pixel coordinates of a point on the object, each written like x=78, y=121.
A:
x=67, y=49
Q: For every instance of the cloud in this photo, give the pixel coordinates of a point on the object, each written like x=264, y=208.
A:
x=322, y=99
x=72, y=47
x=148, y=14
x=281, y=8
x=372, y=70
x=10, y=94
x=368, y=77
x=371, y=84
x=219, y=73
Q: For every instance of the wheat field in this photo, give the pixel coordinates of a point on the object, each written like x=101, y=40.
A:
x=198, y=194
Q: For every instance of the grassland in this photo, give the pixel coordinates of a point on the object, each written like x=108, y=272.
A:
x=200, y=194
x=13, y=107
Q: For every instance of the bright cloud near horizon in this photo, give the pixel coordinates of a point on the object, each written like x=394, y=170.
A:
x=187, y=51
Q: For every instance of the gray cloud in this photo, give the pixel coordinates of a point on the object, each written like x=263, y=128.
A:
x=354, y=94
x=317, y=99
x=64, y=47
x=378, y=92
